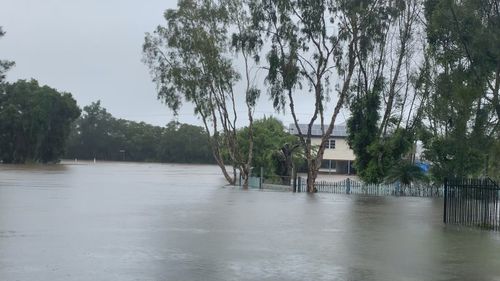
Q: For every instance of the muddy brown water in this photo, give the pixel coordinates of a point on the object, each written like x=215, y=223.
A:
x=130, y=221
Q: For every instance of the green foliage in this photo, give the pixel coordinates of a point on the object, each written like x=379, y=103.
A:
x=97, y=134
x=453, y=157
x=405, y=172
x=186, y=58
x=270, y=136
x=35, y=122
x=463, y=107
x=375, y=156
x=184, y=143
x=362, y=130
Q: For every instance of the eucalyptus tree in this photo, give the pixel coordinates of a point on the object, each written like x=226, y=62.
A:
x=400, y=59
x=192, y=60
x=5, y=65
x=315, y=46
x=247, y=44
x=385, y=102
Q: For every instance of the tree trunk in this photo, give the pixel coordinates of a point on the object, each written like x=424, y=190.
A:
x=245, y=176
x=230, y=180
x=312, y=173
x=311, y=179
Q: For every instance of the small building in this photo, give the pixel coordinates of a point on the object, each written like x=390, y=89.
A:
x=338, y=157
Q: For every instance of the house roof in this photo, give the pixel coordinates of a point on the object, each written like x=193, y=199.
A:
x=339, y=130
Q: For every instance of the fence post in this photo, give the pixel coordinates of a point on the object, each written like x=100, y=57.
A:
x=445, y=195
x=299, y=184
x=240, y=177
x=261, y=177
x=294, y=180
x=348, y=186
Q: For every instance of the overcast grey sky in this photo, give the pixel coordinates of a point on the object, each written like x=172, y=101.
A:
x=93, y=49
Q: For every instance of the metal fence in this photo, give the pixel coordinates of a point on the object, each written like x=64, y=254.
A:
x=283, y=183
x=349, y=186
x=472, y=202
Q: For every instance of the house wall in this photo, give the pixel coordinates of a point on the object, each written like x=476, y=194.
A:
x=341, y=151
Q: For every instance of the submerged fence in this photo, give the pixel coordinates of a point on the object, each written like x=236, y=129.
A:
x=472, y=202
x=283, y=183
x=349, y=186
x=346, y=186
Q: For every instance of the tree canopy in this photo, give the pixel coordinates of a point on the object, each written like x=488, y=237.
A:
x=462, y=82
x=35, y=122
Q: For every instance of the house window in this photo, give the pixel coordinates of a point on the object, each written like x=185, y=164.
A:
x=329, y=164
x=330, y=144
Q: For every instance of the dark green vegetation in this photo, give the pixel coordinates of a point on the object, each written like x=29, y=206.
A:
x=462, y=82
x=35, y=122
x=377, y=158
x=97, y=134
x=274, y=148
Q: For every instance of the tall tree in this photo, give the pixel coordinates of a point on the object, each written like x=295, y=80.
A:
x=462, y=112
x=385, y=102
x=191, y=60
x=314, y=44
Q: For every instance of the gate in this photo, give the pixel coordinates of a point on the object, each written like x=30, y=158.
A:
x=472, y=202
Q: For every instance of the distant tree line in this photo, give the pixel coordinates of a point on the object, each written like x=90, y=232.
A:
x=97, y=134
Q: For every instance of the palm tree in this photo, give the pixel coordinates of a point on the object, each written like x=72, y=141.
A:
x=405, y=172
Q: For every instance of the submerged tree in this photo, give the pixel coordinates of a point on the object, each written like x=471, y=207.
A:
x=315, y=44
x=385, y=103
x=191, y=60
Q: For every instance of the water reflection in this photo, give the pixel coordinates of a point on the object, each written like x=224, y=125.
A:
x=118, y=221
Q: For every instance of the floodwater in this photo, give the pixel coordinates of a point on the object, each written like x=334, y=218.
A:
x=114, y=221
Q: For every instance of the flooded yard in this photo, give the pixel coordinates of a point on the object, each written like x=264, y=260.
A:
x=128, y=221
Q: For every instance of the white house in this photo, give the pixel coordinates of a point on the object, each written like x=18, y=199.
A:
x=338, y=157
